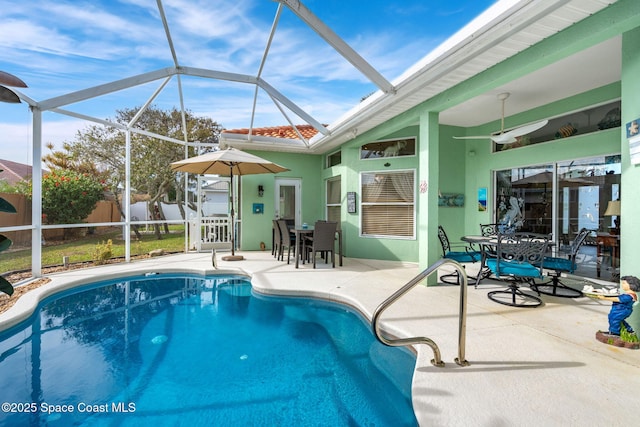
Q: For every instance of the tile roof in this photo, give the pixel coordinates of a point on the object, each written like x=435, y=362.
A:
x=288, y=132
x=13, y=172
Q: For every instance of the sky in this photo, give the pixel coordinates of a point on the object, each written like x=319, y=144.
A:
x=62, y=46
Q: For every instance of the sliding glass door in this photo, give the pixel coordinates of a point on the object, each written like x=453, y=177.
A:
x=561, y=198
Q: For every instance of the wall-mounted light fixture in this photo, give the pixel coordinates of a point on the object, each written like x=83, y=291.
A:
x=260, y=191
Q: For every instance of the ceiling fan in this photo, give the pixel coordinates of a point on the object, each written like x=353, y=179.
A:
x=509, y=136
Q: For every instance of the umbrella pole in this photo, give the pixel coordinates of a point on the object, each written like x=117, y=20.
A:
x=233, y=256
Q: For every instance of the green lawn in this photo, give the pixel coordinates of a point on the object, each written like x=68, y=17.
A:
x=83, y=249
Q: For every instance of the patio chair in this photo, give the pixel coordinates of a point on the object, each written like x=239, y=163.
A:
x=488, y=230
x=287, y=240
x=559, y=265
x=488, y=251
x=323, y=241
x=277, y=240
x=518, y=260
x=465, y=253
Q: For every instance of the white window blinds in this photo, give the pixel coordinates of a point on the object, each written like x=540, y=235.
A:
x=334, y=199
x=388, y=204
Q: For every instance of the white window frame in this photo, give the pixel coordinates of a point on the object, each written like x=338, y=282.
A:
x=389, y=143
x=363, y=204
x=328, y=157
x=327, y=204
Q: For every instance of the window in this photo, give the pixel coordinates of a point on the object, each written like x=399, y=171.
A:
x=583, y=188
x=334, y=199
x=388, y=204
x=334, y=159
x=592, y=119
x=389, y=148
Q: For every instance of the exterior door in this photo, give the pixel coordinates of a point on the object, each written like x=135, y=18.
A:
x=288, y=201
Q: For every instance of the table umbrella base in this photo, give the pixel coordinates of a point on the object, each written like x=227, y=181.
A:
x=233, y=258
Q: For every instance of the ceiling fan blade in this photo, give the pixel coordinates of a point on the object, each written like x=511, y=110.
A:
x=473, y=137
x=523, y=130
x=503, y=138
x=510, y=136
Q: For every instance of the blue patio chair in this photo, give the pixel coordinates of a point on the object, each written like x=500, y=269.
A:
x=518, y=261
x=559, y=265
x=466, y=254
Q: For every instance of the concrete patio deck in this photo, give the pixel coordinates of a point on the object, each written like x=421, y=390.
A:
x=528, y=367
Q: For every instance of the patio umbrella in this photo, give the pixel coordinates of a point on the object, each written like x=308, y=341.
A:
x=229, y=162
x=6, y=94
x=546, y=178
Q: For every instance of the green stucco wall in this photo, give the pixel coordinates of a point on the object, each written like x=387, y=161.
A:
x=630, y=173
x=454, y=166
x=349, y=171
x=479, y=172
x=256, y=228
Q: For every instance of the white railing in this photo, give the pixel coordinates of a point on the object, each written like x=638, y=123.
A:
x=216, y=230
x=213, y=232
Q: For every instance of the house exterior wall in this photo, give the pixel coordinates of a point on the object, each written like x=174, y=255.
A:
x=256, y=228
x=630, y=195
x=479, y=172
x=448, y=166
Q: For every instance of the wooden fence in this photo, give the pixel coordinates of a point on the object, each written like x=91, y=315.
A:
x=105, y=211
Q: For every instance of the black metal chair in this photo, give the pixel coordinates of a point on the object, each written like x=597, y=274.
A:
x=518, y=260
x=465, y=254
x=488, y=230
x=323, y=241
x=487, y=251
x=559, y=265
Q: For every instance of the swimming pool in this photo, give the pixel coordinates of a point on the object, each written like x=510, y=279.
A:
x=191, y=350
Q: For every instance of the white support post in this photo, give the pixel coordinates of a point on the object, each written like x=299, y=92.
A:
x=36, y=194
x=127, y=197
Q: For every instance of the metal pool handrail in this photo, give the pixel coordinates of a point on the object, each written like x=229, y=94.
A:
x=462, y=318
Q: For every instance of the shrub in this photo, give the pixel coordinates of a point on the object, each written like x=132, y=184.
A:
x=103, y=252
x=68, y=197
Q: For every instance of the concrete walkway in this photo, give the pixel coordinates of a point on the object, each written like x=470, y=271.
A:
x=527, y=367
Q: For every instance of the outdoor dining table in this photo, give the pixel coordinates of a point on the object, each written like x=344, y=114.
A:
x=301, y=231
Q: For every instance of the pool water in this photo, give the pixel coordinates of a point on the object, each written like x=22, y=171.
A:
x=198, y=351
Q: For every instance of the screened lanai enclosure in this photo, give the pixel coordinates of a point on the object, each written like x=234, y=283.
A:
x=112, y=69
x=190, y=215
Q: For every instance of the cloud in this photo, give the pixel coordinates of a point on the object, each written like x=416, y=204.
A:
x=62, y=46
x=16, y=143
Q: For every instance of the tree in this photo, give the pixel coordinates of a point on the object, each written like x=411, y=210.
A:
x=150, y=157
